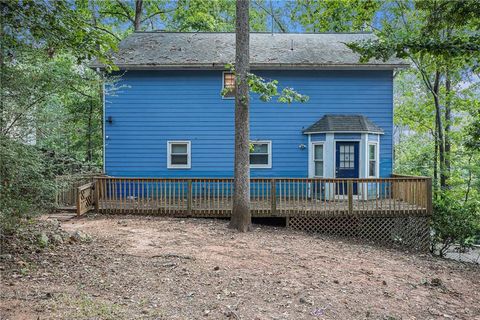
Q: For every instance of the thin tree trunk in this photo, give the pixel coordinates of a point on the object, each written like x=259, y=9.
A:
x=2, y=69
x=100, y=89
x=448, y=119
x=241, y=216
x=439, y=127
x=469, y=181
x=138, y=15
x=89, y=134
x=435, y=160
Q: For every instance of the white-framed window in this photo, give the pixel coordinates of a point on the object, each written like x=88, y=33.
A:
x=179, y=155
x=318, y=162
x=372, y=160
x=261, y=154
x=228, y=82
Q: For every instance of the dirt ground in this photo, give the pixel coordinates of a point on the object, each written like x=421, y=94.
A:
x=164, y=268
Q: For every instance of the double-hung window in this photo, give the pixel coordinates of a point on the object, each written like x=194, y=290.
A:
x=318, y=160
x=229, y=84
x=179, y=155
x=372, y=160
x=261, y=154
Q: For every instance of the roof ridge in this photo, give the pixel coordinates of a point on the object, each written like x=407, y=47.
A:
x=232, y=32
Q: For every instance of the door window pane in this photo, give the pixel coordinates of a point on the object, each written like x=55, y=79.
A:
x=347, y=156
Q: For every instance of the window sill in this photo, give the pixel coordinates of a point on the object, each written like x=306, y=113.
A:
x=260, y=167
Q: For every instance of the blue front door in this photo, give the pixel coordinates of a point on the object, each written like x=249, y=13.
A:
x=346, y=164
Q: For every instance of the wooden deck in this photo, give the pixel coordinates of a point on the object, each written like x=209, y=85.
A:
x=259, y=208
x=277, y=197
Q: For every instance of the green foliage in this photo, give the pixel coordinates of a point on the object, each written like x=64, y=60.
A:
x=267, y=89
x=454, y=222
x=413, y=154
x=334, y=15
x=440, y=29
x=26, y=182
x=178, y=15
x=53, y=27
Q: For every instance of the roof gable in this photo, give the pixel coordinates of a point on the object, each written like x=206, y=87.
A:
x=174, y=50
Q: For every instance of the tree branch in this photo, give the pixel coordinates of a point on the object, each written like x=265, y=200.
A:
x=277, y=22
x=125, y=9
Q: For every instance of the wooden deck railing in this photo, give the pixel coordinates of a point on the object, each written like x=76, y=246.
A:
x=85, y=198
x=67, y=188
x=281, y=197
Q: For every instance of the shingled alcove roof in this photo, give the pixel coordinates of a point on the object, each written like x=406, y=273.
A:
x=205, y=50
x=344, y=123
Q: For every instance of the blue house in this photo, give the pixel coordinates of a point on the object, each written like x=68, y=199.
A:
x=167, y=117
x=322, y=166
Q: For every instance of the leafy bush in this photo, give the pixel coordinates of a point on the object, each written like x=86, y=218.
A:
x=27, y=182
x=454, y=223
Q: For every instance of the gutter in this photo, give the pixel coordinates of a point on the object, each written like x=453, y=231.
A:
x=257, y=66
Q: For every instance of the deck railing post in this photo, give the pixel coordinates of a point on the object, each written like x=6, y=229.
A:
x=429, y=196
x=350, y=196
x=273, y=197
x=189, y=197
x=79, y=203
x=96, y=199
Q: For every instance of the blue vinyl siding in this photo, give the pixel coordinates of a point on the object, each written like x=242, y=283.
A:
x=153, y=107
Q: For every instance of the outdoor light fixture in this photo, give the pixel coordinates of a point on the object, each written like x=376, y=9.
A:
x=302, y=146
x=109, y=119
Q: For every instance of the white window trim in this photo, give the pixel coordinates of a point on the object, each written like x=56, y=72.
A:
x=377, y=155
x=223, y=86
x=169, y=153
x=313, y=158
x=263, y=166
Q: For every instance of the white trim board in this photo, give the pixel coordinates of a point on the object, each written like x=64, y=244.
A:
x=269, y=148
x=189, y=155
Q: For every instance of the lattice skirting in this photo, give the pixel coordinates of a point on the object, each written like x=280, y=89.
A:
x=408, y=232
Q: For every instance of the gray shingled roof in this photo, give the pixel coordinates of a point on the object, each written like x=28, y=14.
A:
x=161, y=50
x=343, y=123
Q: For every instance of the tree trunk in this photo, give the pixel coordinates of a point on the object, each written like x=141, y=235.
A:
x=2, y=70
x=439, y=127
x=89, y=135
x=241, y=216
x=448, y=120
x=100, y=92
x=435, y=160
x=138, y=15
